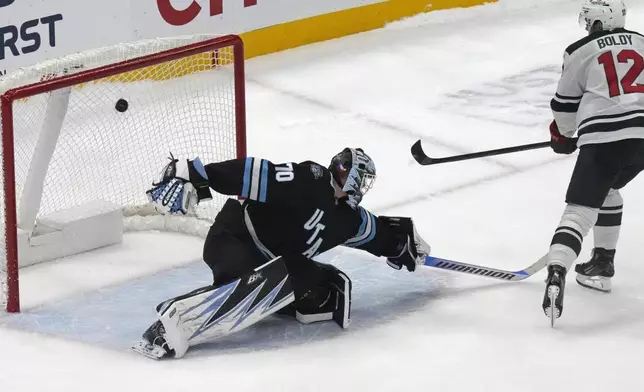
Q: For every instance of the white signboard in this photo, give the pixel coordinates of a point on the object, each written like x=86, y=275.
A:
x=31, y=31
x=34, y=30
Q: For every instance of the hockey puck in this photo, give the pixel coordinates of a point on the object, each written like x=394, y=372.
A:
x=121, y=105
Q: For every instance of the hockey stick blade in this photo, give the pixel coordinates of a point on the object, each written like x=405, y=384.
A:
x=422, y=158
x=512, y=276
x=419, y=155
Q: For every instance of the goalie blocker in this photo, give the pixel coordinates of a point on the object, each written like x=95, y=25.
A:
x=291, y=213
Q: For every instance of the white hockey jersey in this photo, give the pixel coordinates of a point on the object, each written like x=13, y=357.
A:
x=601, y=91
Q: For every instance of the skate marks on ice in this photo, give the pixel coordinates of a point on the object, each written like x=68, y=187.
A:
x=114, y=317
x=589, y=313
x=333, y=114
x=521, y=99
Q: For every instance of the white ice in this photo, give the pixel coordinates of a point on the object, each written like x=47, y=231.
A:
x=462, y=80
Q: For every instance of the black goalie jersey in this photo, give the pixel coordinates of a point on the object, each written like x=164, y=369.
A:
x=601, y=90
x=290, y=209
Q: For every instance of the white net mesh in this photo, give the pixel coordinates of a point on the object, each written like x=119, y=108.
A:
x=184, y=106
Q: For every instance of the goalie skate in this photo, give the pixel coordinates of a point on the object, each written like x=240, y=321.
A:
x=149, y=350
x=153, y=343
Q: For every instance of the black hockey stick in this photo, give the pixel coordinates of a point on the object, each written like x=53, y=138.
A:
x=422, y=158
x=486, y=271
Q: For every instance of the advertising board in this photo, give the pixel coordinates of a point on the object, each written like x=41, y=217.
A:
x=35, y=30
x=32, y=31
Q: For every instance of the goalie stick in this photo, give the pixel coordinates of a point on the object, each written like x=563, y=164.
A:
x=473, y=269
x=422, y=158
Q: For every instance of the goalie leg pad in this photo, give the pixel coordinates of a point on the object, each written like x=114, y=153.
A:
x=328, y=301
x=212, y=312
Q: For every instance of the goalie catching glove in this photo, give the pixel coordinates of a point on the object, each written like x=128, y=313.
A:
x=411, y=249
x=183, y=184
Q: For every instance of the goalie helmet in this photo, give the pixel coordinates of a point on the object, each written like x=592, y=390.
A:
x=355, y=172
x=611, y=14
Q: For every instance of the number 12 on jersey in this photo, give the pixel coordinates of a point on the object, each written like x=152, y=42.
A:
x=629, y=80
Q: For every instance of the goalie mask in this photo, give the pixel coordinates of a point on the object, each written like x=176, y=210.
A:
x=355, y=172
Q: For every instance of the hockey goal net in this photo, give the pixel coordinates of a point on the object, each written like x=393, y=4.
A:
x=84, y=136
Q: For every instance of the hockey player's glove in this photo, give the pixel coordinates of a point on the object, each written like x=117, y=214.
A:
x=410, y=249
x=183, y=184
x=559, y=143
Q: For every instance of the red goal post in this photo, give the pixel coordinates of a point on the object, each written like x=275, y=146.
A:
x=69, y=157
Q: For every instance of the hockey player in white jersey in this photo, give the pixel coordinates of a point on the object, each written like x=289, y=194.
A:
x=600, y=96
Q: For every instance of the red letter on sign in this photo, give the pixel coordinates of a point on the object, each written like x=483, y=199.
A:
x=176, y=17
x=180, y=18
x=217, y=6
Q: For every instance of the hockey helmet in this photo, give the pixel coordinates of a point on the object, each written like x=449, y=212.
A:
x=610, y=13
x=355, y=172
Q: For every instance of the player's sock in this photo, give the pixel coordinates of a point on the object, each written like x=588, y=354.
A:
x=568, y=238
x=609, y=221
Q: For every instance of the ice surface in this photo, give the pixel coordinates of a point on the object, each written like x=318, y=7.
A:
x=463, y=80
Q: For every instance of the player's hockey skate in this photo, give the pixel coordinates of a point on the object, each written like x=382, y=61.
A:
x=153, y=344
x=596, y=273
x=554, y=295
